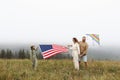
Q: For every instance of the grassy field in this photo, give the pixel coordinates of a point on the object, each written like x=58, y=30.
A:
x=58, y=70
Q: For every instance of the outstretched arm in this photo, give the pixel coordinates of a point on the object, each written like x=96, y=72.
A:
x=37, y=48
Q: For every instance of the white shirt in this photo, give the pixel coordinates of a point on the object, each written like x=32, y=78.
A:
x=76, y=48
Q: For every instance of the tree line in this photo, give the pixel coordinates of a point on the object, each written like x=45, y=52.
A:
x=24, y=54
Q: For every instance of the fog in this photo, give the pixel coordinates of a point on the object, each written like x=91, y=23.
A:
x=33, y=22
x=94, y=52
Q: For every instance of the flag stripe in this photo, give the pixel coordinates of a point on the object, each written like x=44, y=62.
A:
x=52, y=51
x=48, y=51
x=51, y=54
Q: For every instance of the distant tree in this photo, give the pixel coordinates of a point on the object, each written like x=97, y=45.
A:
x=69, y=56
x=3, y=54
x=9, y=54
x=22, y=54
x=27, y=54
x=16, y=55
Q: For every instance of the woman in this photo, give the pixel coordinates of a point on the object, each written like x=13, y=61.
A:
x=75, y=53
x=33, y=57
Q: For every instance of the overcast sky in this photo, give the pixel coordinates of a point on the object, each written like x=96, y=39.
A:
x=57, y=21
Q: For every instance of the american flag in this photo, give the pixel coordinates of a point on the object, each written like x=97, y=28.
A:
x=51, y=50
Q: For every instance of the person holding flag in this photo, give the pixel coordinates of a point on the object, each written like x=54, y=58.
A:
x=76, y=53
x=33, y=56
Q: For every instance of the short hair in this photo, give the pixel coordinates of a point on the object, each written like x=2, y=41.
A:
x=31, y=47
x=84, y=37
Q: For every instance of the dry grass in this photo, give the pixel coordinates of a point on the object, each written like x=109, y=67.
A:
x=58, y=70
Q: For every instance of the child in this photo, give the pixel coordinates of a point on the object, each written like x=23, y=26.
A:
x=33, y=57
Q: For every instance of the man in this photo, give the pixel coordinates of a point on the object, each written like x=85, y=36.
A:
x=83, y=50
x=33, y=57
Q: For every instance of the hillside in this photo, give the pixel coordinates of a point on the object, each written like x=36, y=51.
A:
x=58, y=70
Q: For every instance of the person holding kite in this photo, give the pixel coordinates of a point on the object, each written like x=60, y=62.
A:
x=83, y=50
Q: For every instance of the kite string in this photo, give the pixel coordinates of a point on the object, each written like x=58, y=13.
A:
x=93, y=42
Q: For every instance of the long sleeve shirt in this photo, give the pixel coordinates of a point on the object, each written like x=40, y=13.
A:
x=75, y=47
